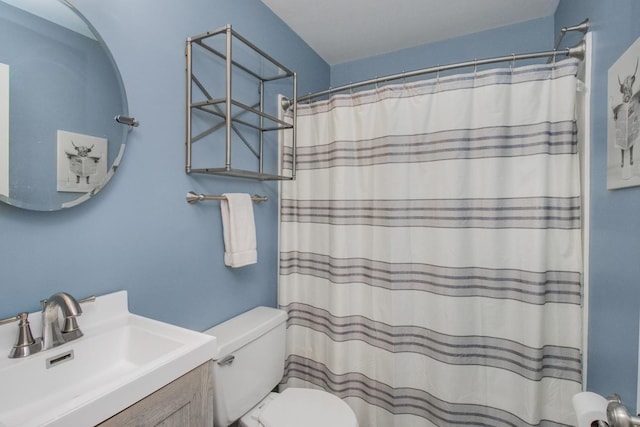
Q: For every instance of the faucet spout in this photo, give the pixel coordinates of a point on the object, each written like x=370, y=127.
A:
x=52, y=335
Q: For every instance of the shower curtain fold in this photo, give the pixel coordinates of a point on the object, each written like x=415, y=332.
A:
x=430, y=253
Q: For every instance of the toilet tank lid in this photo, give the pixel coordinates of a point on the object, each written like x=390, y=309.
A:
x=244, y=328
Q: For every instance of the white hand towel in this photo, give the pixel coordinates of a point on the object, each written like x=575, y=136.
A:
x=239, y=230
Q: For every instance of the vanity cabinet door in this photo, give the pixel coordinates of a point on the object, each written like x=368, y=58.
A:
x=185, y=402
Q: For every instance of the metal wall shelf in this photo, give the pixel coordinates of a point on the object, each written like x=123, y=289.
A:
x=216, y=60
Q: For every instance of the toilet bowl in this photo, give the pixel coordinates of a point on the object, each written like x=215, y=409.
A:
x=250, y=364
x=296, y=407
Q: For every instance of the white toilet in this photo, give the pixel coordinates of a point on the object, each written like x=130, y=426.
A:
x=250, y=365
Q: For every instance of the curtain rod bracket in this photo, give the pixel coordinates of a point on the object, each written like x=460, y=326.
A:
x=286, y=103
x=583, y=27
x=578, y=51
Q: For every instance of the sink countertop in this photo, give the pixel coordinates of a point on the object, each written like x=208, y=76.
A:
x=94, y=396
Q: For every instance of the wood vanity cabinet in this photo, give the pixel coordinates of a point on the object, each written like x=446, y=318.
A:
x=185, y=402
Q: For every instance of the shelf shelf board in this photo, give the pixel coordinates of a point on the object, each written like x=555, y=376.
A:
x=253, y=115
x=240, y=173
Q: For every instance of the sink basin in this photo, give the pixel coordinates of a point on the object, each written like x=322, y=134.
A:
x=121, y=359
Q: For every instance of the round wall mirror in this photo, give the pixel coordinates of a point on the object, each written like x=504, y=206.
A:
x=60, y=92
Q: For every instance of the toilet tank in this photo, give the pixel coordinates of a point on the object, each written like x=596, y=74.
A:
x=250, y=361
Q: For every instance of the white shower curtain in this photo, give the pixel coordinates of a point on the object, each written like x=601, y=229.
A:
x=430, y=257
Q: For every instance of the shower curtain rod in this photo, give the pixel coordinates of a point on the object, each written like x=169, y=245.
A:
x=577, y=51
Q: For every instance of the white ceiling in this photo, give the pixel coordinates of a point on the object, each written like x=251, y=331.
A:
x=346, y=30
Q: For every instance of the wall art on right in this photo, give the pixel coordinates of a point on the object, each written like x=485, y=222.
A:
x=623, y=122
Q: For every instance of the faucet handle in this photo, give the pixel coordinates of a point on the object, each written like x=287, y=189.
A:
x=25, y=343
x=92, y=298
x=10, y=319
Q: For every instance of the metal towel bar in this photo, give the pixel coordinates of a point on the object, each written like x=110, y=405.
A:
x=194, y=197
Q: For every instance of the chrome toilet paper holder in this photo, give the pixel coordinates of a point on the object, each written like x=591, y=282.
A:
x=617, y=414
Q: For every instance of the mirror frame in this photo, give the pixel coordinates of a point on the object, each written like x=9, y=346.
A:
x=117, y=130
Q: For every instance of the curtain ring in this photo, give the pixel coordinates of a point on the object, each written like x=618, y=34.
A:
x=513, y=61
x=475, y=66
x=554, y=55
x=438, y=74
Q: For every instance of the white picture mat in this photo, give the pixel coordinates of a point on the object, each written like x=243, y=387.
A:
x=77, y=171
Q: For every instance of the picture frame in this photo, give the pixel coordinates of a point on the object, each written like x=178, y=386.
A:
x=623, y=120
x=82, y=162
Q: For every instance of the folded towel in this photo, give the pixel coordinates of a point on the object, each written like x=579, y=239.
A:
x=239, y=230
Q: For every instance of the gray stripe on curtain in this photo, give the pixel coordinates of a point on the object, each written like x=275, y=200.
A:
x=532, y=363
x=530, y=212
x=505, y=141
x=402, y=400
x=527, y=286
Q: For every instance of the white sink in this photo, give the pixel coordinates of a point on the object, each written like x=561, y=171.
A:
x=120, y=359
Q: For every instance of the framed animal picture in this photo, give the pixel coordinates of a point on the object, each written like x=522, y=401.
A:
x=623, y=120
x=82, y=162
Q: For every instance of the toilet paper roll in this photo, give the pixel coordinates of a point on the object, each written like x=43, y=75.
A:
x=589, y=407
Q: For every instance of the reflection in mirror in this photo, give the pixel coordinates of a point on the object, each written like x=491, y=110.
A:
x=59, y=93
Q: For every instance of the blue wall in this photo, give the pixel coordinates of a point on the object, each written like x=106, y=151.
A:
x=139, y=233
x=615, y=218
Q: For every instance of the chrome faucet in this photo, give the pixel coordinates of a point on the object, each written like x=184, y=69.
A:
x=52, y=335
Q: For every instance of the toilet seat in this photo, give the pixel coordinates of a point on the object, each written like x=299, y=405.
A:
x=297, y=407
